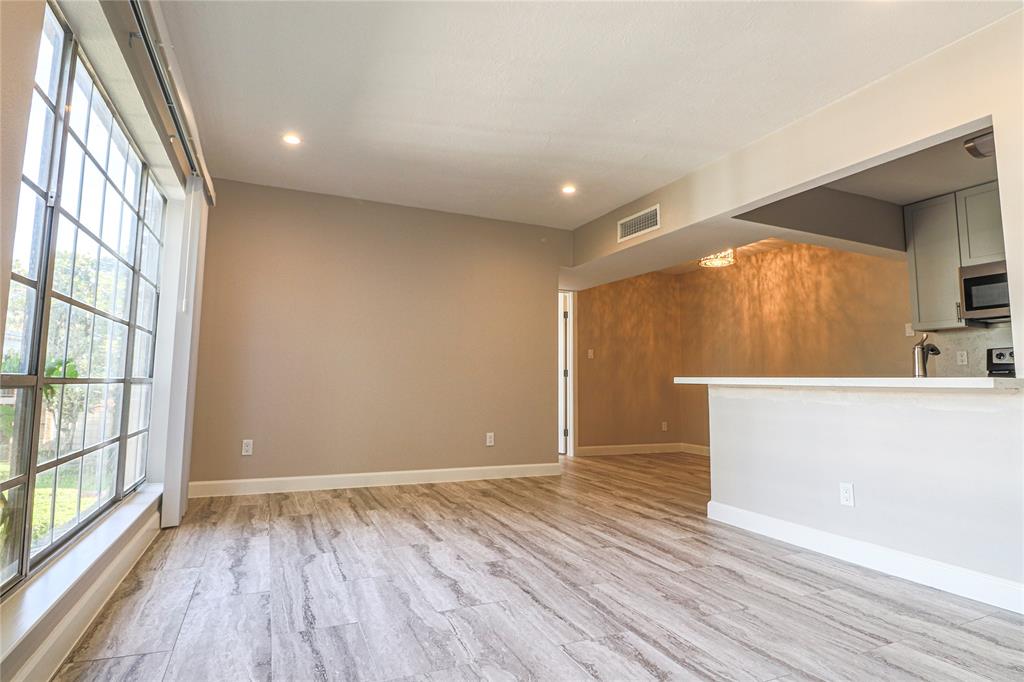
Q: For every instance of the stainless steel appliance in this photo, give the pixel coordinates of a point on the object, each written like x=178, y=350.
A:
x=1000, y=362
x=984, y=293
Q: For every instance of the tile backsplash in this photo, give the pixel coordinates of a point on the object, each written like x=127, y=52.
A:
x=976, y=341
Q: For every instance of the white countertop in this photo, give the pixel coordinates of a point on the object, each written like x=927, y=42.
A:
x=946, y=383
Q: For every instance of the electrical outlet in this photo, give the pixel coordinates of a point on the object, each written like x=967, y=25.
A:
x=664, y=426
x=590, y=354
x=909, y=329
x=489, y=439
x=846, y=494
x=246, y=448
x=961, y=357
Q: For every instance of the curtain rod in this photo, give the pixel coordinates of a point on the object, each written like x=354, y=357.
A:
x=168, y=94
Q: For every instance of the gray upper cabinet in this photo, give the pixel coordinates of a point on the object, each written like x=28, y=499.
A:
x=963, y=228
x=933, y=254
x=980, y=224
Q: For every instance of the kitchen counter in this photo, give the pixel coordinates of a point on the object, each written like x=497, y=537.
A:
x=913, y=383
x=920, y=478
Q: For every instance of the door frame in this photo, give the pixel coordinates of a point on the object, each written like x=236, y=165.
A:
x=566, y=373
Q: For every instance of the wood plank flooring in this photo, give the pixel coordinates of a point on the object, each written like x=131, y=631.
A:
x=610, y=572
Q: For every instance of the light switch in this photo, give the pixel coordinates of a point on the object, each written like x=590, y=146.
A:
x=590, y=354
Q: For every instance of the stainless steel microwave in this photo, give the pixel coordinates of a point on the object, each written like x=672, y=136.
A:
x=984, y=293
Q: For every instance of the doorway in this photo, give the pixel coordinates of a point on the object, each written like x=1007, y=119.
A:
x=566, y=373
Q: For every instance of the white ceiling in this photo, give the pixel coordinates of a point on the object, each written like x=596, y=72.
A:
x=487, y=109
x=928, y=173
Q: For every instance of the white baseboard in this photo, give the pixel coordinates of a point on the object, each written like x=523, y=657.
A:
x=641, y=449
x=47, y=659
x=988, y=589
x=255, y=486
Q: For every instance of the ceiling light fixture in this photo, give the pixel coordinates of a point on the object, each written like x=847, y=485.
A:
x=982, y=146
x=721, y=259
x=568, y=189
x=291, y=138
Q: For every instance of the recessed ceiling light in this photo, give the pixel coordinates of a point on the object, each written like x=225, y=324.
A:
x=291, y=138
x=568, y=189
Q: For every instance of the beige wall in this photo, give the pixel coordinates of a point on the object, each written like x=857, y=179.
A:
x=346, y=336
x=797, y=311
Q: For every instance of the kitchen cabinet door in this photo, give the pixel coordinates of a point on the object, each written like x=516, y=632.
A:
x=933, y=255
x=981, y=225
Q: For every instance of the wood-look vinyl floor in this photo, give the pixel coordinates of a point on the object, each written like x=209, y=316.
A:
x=610, y=572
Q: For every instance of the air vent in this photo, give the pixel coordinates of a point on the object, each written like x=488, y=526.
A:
x=638, y=223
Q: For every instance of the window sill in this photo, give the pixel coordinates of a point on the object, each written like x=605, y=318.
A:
x=34, y=610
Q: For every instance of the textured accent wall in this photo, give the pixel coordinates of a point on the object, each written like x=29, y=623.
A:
x=634, y=327
x=349, y=336
x=796, y=311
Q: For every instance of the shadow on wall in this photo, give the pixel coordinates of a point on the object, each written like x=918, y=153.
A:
x=796, y=311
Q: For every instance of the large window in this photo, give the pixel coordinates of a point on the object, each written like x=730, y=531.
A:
x=77, y=360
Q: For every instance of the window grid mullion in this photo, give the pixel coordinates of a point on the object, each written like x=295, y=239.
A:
x=78, y=454
x=47, y=552
x=19, y=380
x=156, y=314
x=84, y=381
x=126, y=405
x=88, y=230
x=92, y=339
x=64, y=298
x=71, y=287
x=152, y=336
x=20, y=479
x=24, y=281
x=147, y=280
x=81, y=475
x=103, y=171
x=34, y=187
x=53, y=505
x=95, y=93
x=45, y=96
x=97, y=84
x=40, y=332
